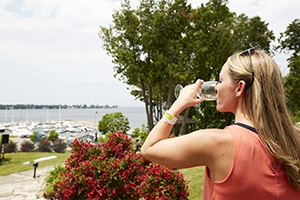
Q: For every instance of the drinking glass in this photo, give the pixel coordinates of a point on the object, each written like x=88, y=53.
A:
x=208, y=92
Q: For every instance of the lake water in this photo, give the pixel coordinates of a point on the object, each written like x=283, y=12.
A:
x=136, y=115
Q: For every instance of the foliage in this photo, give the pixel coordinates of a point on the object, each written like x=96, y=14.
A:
x=10, y=147
x=111, y=170
x=44, y=146
x=290, y=42
x=59, y=146
x=27, y=146
x=53, y=136
x=113, y=122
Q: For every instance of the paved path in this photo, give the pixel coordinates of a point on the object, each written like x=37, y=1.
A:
x=22, y=185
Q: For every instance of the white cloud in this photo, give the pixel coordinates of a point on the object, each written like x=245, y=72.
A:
x=277, y=13
x=51, y=53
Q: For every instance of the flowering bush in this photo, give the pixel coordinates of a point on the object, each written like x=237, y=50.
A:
x=111, y=170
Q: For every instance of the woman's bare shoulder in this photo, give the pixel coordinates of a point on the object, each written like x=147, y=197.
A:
x=216, y=135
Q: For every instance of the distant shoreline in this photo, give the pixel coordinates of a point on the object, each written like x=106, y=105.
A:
x=39, y=106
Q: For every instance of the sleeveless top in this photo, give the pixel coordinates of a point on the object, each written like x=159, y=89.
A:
x=253, y=175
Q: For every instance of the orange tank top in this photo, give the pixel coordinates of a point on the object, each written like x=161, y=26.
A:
x=253, y=175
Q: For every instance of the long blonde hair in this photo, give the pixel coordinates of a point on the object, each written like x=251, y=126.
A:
x=265, y=105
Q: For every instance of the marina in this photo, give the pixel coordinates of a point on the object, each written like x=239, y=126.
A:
x=68, y=130
x=70, y=124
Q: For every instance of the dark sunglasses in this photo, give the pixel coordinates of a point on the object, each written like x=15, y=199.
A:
x=249, y=52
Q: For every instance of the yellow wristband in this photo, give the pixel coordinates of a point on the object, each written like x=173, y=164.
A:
x=169, y=118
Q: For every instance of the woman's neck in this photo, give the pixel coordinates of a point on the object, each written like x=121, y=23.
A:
x=243, y=118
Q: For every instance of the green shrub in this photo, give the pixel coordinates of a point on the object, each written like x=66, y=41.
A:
x=27, y=146
x=52, y=178
x=113, y=122
x=112, y=170
x=53, y=136
x=33, y=137
x=44, y=146
x=141, y=134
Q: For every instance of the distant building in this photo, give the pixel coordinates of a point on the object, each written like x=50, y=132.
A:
x=84, y=137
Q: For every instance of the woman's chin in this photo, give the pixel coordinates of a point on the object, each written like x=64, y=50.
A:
x=219, y=108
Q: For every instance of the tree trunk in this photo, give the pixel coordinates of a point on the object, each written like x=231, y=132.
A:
x=170, y=92
x=147, y=107
x=183, y=125
x=151, y=123
x=160, y=102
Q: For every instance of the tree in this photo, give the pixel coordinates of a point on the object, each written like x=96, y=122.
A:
x=145, y=45
x=290, y=42
x=113, y=122
x=163, y=43
x=290, y=39
x=53, y=136
x=292, y=82
x=252, y=32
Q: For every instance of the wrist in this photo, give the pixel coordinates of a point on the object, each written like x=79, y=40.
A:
x=175, y=109
x=169, y=118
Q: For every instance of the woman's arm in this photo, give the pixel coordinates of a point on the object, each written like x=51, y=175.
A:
x=194, y=149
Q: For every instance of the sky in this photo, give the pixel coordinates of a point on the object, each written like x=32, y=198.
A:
x=50, y=51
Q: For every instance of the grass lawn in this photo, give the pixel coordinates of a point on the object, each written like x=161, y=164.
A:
x=195, y=176
x=13, y=162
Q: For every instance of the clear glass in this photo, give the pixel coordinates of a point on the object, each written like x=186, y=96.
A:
x=208, y=92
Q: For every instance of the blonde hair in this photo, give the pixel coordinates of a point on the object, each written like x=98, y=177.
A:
x=265, y=105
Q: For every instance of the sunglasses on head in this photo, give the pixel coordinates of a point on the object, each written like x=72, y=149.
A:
x=249, y=52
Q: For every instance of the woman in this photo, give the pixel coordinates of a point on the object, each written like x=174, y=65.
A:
x=258, y=156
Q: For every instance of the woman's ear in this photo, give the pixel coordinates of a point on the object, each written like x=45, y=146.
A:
x=241, y=87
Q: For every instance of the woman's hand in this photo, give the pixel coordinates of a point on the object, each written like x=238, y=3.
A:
x=188, y=95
